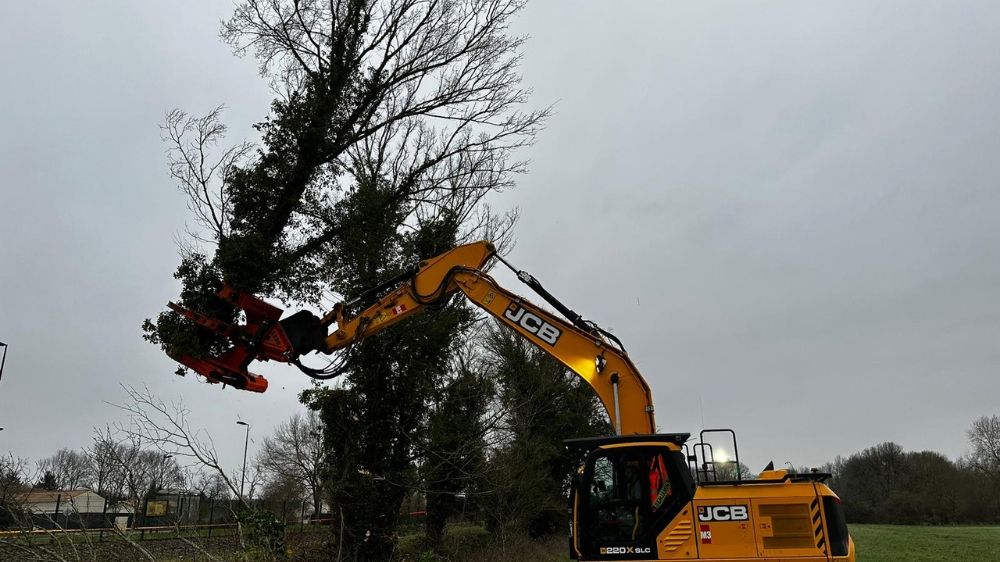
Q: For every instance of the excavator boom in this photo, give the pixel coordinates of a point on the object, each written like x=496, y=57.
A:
x=581, y=347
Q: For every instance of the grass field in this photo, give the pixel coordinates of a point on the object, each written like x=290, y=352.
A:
x=891, y=543
x=470, y=543
x=875, y=543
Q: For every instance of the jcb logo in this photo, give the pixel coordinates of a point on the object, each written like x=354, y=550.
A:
x=532, y=323
x=723, y=513
x=625, y=550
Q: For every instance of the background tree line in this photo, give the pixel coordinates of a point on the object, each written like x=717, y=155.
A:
x=493, y=453
x=885, y=484
x=120, y=468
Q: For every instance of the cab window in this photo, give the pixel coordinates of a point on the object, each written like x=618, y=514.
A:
x=628, y=492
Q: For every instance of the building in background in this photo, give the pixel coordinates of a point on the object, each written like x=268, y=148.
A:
x=51, y=502
x=172, y=506
x=67, y=509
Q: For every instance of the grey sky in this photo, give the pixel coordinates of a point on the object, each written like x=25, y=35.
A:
x=787, y=210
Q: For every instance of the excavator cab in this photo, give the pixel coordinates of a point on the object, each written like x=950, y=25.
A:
x=626, y=491
x=635, y=497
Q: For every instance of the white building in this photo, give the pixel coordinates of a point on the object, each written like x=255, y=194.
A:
x=66, y=501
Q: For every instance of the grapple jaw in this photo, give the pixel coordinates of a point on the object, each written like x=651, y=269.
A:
x=262, y=339
x=224, y=370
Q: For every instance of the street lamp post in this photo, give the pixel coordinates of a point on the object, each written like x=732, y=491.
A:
x=245, y=444
x=163, y=468
x=157, y=488
x=3, y=359
x=317, y=509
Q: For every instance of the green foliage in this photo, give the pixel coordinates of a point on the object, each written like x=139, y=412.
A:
x=200, y=279
x=884, y=484
x=377, y=421
x=262, y=530
x=456, y=444
x=545, y=404
x=11, y=513
x=276, y=202
x=372, y=250
x=379, y=416
x=473, y=543
x=48, y=481
x=430, y=556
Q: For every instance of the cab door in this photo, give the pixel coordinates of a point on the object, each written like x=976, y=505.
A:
x=626, y=497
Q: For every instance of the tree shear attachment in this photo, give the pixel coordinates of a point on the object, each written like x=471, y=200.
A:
x=262, y=338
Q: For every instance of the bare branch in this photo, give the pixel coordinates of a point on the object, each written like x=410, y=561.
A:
x=200, y=170
x=166, y=428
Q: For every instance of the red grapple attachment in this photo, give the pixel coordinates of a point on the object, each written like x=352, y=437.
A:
x=262, y=339
x=216, y=370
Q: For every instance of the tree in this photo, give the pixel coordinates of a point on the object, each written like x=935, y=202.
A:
x=49, y=481
x=70, y=469
x=727, y=471
x=294, y=455
x=210, y=485
x=884, y=484
x=137, y=469
x=976, y=501
x=110, y=460
x=13, y=480
x=867, y=479
x=984, y=436
x=420, y=97
x=395, y=119
x=928, y=491
x=542, y=403
x=377, y=419
x=157, y=429
x=278, y=491
x=163, y=429
x=453, y=462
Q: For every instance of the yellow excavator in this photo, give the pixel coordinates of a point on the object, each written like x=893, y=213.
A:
x=636, y=495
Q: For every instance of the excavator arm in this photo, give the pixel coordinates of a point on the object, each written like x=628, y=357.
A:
x=583, y=348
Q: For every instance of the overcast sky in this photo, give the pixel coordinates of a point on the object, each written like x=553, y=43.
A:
x=788, y=211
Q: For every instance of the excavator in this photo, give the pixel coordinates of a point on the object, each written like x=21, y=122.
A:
x=637, y=494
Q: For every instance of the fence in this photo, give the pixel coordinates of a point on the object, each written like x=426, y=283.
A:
x=153, y=532
x=163, y=513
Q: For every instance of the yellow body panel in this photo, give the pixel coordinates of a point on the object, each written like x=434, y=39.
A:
x=784, y=522
x=679, y=540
